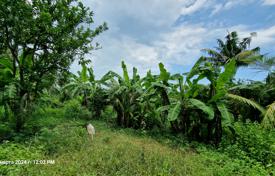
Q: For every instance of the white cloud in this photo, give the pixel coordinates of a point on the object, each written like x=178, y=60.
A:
x=142, y=33
x=153, y=12
x=265, y=37
x=268, y=2
x=229, y=4
x=197, y=5
x=181, y=45
x=141, y=55
x=217, y=8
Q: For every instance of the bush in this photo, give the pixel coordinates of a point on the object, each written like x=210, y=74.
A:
x=74, y=110
x=43, y=117
x=109, y=114
x=252, y=143
x=14, y=152
x=223, y=164
x=65, y=137
x=5, y=131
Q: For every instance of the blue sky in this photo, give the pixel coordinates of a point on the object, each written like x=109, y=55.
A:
x=146, y=32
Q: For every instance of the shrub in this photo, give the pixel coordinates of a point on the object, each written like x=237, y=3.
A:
x=109, y=114
x=64, y=137
x=5, y=131
x=43, y=117
x=252, y=142
x=14, y=152
x=221, y=163
x=74, y=110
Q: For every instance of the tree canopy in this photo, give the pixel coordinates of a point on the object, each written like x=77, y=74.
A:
x=43, y=37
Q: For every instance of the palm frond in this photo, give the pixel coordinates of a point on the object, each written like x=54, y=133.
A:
x=268, y=121
x=246, y=101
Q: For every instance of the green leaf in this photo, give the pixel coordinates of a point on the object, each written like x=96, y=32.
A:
x=227, y=117
x=156, y=84
x=174, y=112
x=91, y=74
x=246, y=101
x=202, y=106
x=223, y=79
x=125, y=73
x=164, y=75
x=227, y=75
x=268, y=121
x=195, y=68
x=10, y=91
x=135, y=75
x=163, y=108
x=83, y=75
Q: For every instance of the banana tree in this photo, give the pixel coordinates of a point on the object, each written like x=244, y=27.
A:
x=157, y=90
x=82, y=85
x=124, y=96
x=14, y=106
x=211, y=112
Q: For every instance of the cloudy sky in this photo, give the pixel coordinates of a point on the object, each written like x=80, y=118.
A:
x=146, y=32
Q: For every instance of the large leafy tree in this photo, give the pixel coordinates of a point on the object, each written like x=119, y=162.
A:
x=42, y=38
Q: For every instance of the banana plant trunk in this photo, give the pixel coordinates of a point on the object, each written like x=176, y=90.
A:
x=165, y=102
x=214, y=127
x=218, y=129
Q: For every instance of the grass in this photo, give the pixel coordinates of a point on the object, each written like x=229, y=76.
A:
x=121, y=152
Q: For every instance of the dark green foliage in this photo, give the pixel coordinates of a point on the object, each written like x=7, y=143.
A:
x=62, y=138
x=74, y=110
x=14, y=151
x=43, y=117
x=98, y=101
x=38, y=40
x=251, y=141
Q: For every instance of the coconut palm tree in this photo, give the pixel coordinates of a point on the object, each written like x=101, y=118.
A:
x=234, y=48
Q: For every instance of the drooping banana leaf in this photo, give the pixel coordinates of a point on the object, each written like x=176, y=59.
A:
x=227, y=117
x=174, y=112
x=202, y=106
